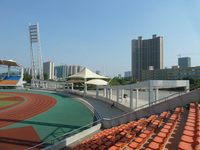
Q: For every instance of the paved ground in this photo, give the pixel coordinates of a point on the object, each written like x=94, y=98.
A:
x=104, y=109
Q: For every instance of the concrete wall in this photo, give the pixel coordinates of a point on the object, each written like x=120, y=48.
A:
x=70, y=140
x=165, y=105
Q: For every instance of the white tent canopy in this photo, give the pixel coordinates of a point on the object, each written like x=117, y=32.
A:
x=86, y=73
x=97, y=82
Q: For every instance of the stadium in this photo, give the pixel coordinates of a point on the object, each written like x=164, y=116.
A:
x=48, y=118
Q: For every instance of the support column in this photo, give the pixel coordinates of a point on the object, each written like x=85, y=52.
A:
x=8, y=71
x=122, y=95
x=107, y=93
x=85, y=87
x=104, y=92
x=150, y=93
x=156, y=95
x=136, y=97
x=131, y=98
x=97, y=91
x=110, y=94
x=117, y=95
x=72, y=86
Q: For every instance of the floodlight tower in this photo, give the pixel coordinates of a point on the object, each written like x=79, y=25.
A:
x=35, y=44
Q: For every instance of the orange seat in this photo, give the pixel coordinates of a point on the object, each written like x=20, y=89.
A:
x=158, y=139
x=188, y=133
x=114, y=148
x=185, y=146
x=189, y=128
x=162, y=134
x=187, y=139
x=133, y=145
x=190, y=124
x=154, y=146
x=128, y=148
x=139, y=140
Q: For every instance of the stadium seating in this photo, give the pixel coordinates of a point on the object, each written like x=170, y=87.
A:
x=156, y=132
x=10, y=80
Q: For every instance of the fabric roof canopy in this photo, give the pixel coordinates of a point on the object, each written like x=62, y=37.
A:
x=9, y=63
x=86, y=73
x=97, y=82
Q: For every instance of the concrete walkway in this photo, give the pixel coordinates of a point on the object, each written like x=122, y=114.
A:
x=104, y=109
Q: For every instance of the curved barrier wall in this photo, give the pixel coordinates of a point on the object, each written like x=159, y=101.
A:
x=166, y=104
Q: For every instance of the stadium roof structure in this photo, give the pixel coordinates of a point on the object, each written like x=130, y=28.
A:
x=9, y=63
x=97, y=82
x=86, y=73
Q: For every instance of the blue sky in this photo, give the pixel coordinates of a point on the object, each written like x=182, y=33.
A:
x=98, y=33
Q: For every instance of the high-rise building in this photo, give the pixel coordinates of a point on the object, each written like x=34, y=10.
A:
x=98, y=72
x=173, y=73
x=60, y=72
x=63, y=71
x=48, y=68
x=146, y=53
x=184, y=62
x=127, y=74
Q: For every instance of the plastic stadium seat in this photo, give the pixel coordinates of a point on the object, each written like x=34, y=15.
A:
x=154, y=146
x=185, y=146
x=152, y=133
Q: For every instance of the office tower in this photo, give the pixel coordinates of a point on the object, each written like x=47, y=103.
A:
x=184, y=62
x=48, y=68
x=146, y=53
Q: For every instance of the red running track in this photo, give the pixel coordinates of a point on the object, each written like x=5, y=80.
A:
x=33, y=105
x=17, y=100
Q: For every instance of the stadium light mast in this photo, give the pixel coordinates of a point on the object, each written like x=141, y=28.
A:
x=35, y=44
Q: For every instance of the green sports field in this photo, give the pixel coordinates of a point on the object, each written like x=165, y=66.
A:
x=67, y=115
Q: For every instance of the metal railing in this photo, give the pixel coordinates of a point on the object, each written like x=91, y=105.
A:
x=68, y=134
x=152, y=103
x=63, y=136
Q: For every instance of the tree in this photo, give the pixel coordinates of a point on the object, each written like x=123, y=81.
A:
x=27, y=77
x=46, y=76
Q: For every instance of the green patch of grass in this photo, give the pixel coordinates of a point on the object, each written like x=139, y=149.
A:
x=4, y=96
x=6, y=103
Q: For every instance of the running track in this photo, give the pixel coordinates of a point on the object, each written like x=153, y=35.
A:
x=33, y=105
x=30, y=105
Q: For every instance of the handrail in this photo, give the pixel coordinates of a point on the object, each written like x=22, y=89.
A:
x=51, y=141
x=98, y=121
x=98, y=118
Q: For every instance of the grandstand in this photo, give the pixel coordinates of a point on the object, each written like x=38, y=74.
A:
x=170, y=124
x=11, y=74
x=156, y=132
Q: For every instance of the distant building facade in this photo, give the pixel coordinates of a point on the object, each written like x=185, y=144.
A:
x=184, y=62
x=48, y=68
x=127, y=74
x=63, y=71
x=98, y=72
x=171, y=74
x=27, y=70
x=146, y=53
